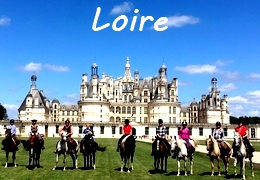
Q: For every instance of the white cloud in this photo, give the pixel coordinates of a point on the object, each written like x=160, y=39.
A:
x=182, y=83
x=253, y=94
x=32, y=67
x=198, y=69
x=71, y=98
x=123, y=8
x=237, y=100
x=56, y=68
x=254, y=75
x=178, y=21
x=12, y=111
x=227, y=87
x=5, y=21
x=221, y=62
x=231, y=75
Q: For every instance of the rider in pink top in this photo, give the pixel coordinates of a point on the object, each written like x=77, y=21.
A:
x=184, y=134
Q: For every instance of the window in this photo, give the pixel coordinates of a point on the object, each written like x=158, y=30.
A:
x=128, y=110
x=113, y=129
x=190, y=131
x=252, y=132
x=170, y=119
x=125, y=98
x=212, y=129
x=112, y=109
x=145, y=100
x=141, y=110
x=145, y=119
x=146, y=132
x=170, y=109
x=23, y=129
x=123, y=110
x=120, y=130
x=167, y=130
x=225, y=132
x=133, y=110
x=201, y=131
x=174, y=110
x=145, y=93
x=102, y=128
x=174, y=120
x=57, y=129
x=80, y=129
x=145, y=110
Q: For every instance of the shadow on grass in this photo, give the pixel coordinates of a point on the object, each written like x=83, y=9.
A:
x=156, y=171
x=86, y=168
x=174, y=173
x=226, y=176
x=124, y=169
x=31, y=167
x=60, y=168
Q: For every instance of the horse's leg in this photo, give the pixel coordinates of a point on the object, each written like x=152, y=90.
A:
x=73, y=160
x=6, y=158
x=191, y=164
x=242, y=168
x=251, y=166
x=212, y=165
x=166, y=161
x=219, y=173
x=235, y=166
x=179, y=166
x=88, y=161
x=185, y=166
x=128, y=164
x=85, y=159
x=56, y=161
x=14, y=159
x=76, y=161
x=162, y=161
x=94, y=160
x=122, y=163
x=64, y=162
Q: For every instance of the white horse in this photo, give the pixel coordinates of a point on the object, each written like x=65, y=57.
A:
x=179, y=147
x=241, y=156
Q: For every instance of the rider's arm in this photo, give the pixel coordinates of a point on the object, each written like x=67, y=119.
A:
x=71, y=130
x=246, y=133
x=130, y=130
x=60, y=130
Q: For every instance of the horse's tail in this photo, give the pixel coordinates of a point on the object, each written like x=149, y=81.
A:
x=99, y=148
x=25, y=144
x=230, y=147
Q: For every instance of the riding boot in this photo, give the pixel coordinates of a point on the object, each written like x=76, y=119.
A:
x=117, y=149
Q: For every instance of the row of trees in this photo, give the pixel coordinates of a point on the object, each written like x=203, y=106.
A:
x=245, y=120
x=3, y=112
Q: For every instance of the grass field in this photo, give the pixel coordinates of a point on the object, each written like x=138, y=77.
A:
x=107, y=166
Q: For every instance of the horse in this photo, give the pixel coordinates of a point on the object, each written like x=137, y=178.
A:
x=34, y=146
x=160, y=153
x=88, y=148
x=10, y=146
x=215, y=153
x=127, y=150
x=242, y=154
x=183, y=153
x=63, y=149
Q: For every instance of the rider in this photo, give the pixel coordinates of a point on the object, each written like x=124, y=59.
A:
x=12, y=127
x=184, y=134
x=68, y=128
x=34, y=129
x=88, y=130
x=161, y=133
x=127, y=130
x=243, y=131
x=218, y=134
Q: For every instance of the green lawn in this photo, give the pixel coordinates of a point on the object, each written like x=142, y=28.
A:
x=108, y=164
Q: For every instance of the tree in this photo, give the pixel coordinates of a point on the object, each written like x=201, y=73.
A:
x=3, y=112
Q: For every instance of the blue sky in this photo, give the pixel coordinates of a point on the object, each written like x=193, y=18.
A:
x=204, y=39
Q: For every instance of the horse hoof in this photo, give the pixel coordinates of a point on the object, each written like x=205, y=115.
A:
x=178, y=175
x=212, y=174
x=219, y=174
x=128, y=171
x=185, y=174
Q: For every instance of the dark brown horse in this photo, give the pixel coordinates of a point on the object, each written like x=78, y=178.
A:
x=161, y=153
x=88, y=148
x=127, y=151
x=34, y=146
x=10, y=145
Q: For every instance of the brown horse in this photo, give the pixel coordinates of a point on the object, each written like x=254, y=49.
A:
x=34, y=146
x=10, y=145
x=88, y=148
x=215, y=152
x=160, y=153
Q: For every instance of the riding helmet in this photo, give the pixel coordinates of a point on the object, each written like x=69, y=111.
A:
x=127, y=121
x=34, y=120
x=11, y=121
x=160, y=121
x=184, y=123
x=218, y=123
x=67, y=121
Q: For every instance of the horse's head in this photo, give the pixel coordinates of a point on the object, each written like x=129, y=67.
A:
x=63, y=135
x=209, y=143
x=237, y=139
x=7, y=133
x=174, y=143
